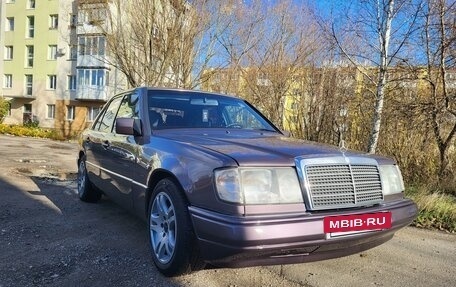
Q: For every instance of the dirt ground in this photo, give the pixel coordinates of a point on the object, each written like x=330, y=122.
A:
x=50, y=238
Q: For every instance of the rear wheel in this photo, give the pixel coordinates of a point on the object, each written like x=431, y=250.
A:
x=172, y=240
x=86, y=191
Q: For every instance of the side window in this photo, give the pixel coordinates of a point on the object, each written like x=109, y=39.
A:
x=96, y=124
x=129, y=107
x=106, y=121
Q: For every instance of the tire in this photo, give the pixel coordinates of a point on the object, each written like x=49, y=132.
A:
x=86, y=191
x=171, y=237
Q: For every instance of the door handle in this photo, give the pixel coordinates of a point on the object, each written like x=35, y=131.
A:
x=130, y=157
x=106, y=144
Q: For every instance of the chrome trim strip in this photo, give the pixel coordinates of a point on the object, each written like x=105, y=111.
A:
x=118, y=175
x=353, y=183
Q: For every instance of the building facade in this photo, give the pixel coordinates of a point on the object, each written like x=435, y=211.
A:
x=31, y=43
x=58, y=68
x=54, y=71
x=92, y=83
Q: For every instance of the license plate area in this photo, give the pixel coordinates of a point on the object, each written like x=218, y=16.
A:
x=345, y=225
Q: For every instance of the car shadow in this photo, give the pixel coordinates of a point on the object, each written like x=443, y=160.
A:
x=49, y=237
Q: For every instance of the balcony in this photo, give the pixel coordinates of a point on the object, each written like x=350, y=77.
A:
x=87, y=28
x=92, y=61
x=93, y=93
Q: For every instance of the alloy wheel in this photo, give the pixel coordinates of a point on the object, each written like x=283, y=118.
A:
x=81, y=177
x=163, y=228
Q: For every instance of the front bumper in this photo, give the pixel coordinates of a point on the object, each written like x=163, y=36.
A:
x=235, y=241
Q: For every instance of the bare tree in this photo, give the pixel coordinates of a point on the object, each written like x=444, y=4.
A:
x=287, y=41
x=372, y=37
x=245, y=22
x=328, y=91
x=162, y=42
x=439, y=103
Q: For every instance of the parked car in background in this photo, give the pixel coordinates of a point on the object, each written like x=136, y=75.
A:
x=218, y=183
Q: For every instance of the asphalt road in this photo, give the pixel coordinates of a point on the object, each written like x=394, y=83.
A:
x=50, y=238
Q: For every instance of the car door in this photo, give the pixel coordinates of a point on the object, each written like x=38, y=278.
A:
x=95, y=145
x=120, y=155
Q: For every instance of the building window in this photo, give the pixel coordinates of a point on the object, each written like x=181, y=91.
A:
x=51, y=111
x=31, y=4
x=92, y=113
x=9, y=25
x=82, y=46
x=101, y=46
x=92, y=45
x=52, y=52
x=53, y=21
x=93, y=77
x=9, y=52
x=10, y=1
x=73, y=52
x=28, y=85
x=155, y=32
x=81, y=16
x=71, y=85
x=70, y=113
x=8, y=81
x=73, y=20
x=92, y=16
x=29, y=56
x=27, y=108
x=30, y=26
x=52, y=82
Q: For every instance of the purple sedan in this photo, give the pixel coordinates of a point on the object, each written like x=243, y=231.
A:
x=218, y=183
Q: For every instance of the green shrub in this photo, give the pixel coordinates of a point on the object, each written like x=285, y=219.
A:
x=30, y=131
x=32, y=124
x=4, y=108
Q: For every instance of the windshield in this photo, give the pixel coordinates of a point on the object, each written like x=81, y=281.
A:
x=176, y=109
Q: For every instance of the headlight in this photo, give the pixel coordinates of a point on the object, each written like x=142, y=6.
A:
x=258, y=185
x=391, y=179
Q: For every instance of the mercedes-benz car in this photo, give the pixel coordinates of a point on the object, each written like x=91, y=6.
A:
x=218, y=183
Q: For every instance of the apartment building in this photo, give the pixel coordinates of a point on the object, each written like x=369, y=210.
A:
x=32, y=50
x=53, y=64
x=92, y=78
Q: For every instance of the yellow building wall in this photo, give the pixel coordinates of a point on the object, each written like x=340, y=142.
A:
x=70, y=128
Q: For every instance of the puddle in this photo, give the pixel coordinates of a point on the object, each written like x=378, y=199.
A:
x=54, y=146
x=65, y=182
x=26, y=160
x=47, y=174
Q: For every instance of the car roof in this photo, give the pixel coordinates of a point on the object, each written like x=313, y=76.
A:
x=199, y=92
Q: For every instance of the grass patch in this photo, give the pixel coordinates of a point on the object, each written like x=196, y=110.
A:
x=437, y=209
x=30, y=132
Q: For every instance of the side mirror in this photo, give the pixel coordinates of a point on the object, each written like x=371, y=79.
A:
x=128, y=126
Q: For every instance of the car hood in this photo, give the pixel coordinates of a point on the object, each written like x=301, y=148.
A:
x=254, y=148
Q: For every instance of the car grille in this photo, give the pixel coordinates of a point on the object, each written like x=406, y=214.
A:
x=343, y=185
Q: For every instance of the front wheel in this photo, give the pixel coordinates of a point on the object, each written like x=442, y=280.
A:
x=172, y=241
x=86, y=191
